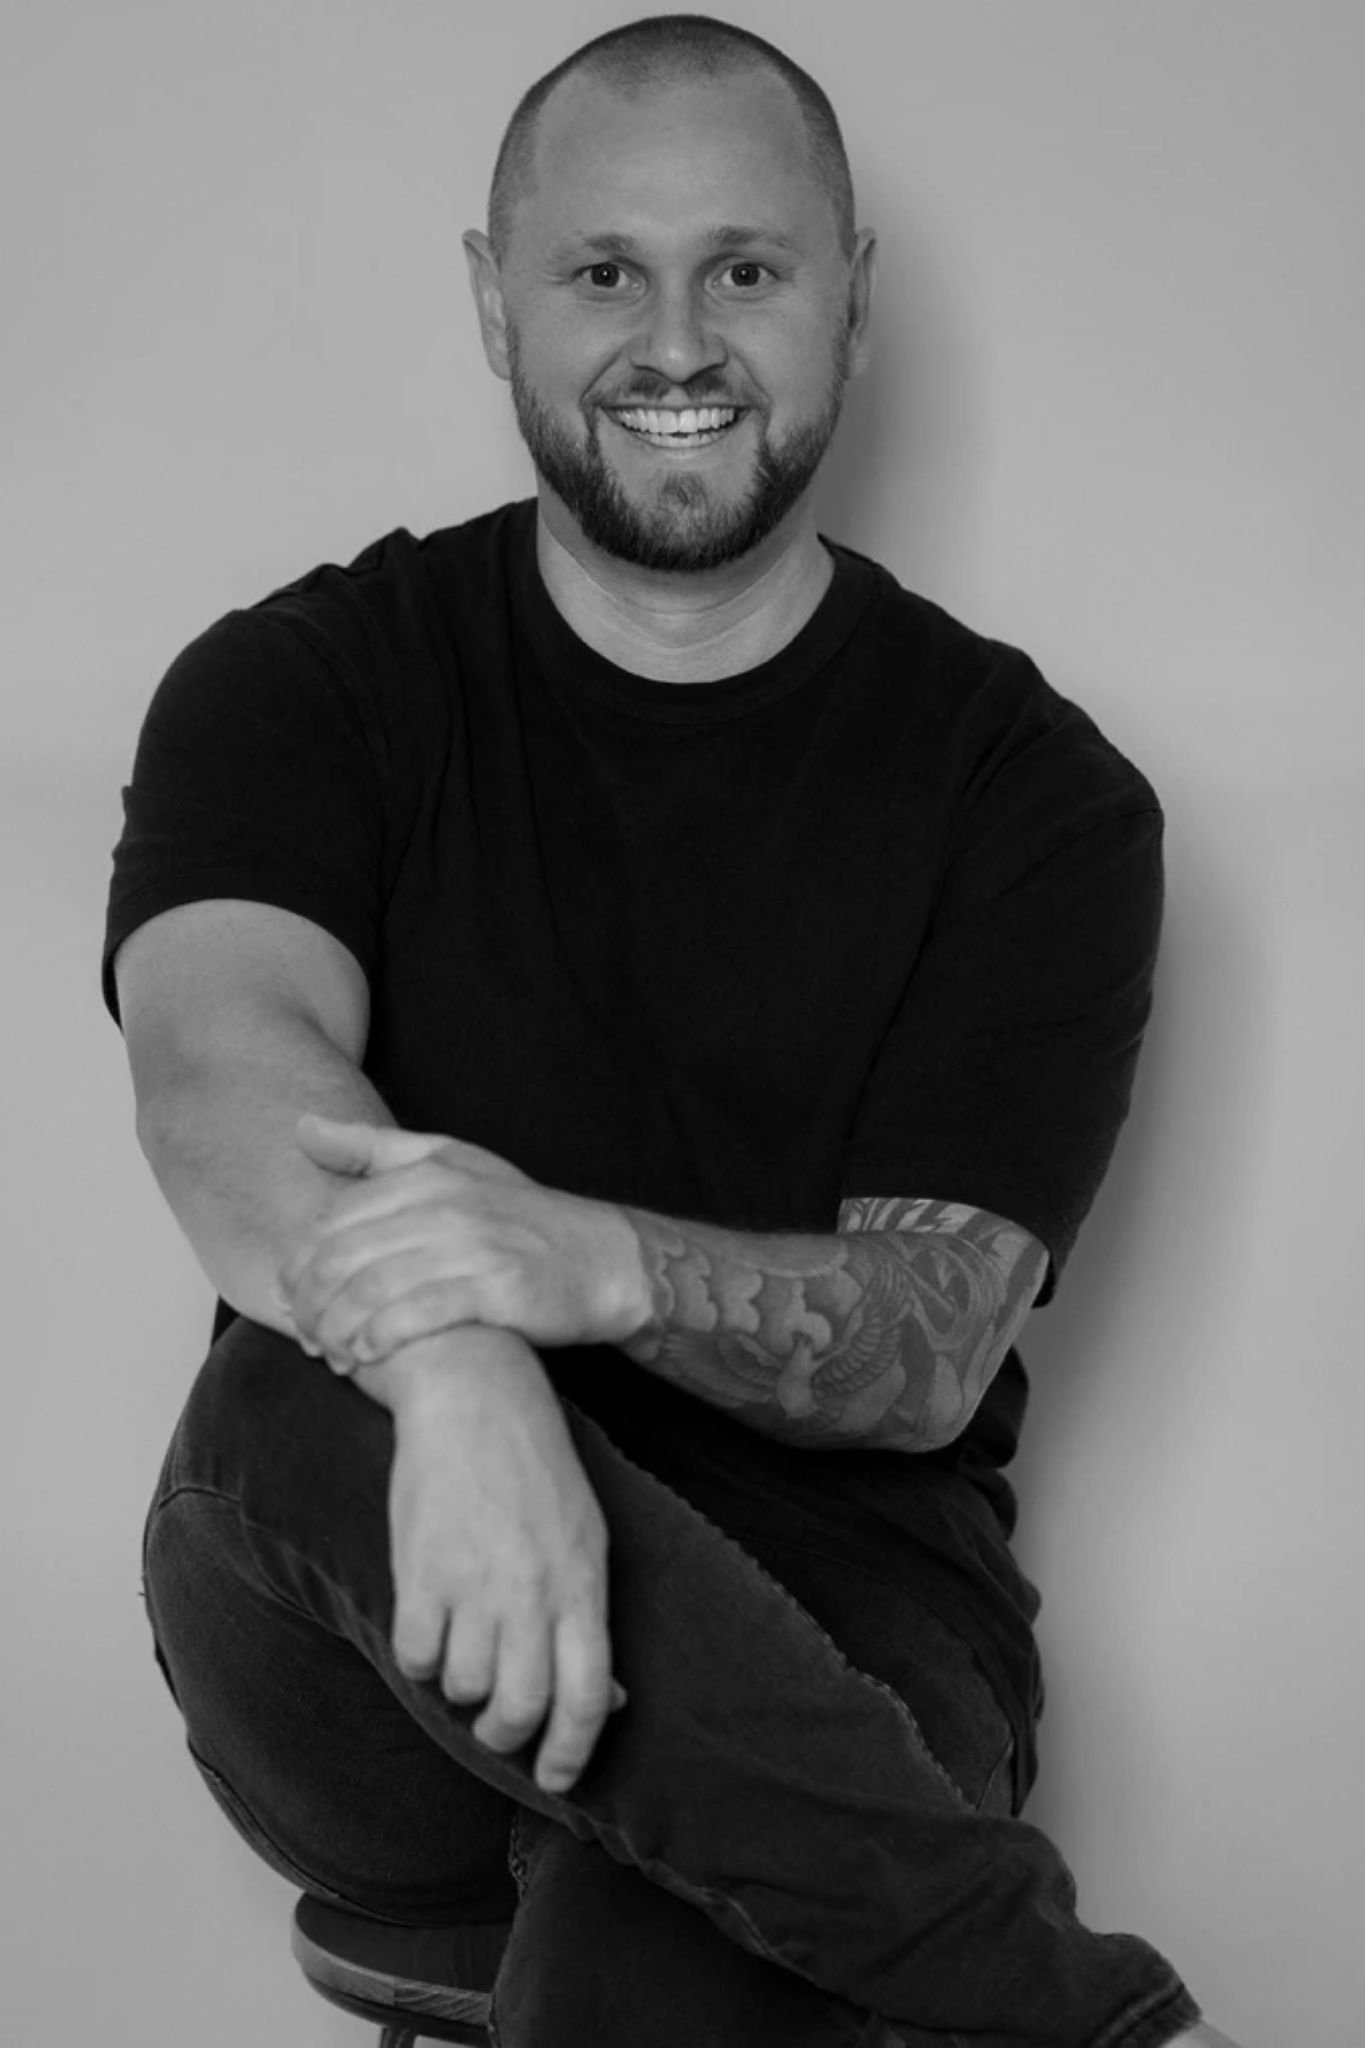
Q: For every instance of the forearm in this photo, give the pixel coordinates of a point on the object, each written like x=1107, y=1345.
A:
x=218, y=1131
x=884, y=1334
x=875, y=1339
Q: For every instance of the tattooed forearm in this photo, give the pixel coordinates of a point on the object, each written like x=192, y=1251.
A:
x=886, y=1335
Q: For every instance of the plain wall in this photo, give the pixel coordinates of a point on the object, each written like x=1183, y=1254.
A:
x=1116, y=418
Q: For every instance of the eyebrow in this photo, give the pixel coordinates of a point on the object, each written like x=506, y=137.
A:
x=715, y=242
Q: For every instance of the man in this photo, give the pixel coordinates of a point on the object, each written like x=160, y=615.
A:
x=647, y=1003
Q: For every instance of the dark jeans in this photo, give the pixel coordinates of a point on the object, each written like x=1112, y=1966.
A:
x=799, y=1831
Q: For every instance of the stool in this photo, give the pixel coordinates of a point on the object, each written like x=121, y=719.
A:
x=415, y=1983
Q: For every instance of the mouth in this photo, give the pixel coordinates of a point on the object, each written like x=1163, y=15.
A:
x=699, y=426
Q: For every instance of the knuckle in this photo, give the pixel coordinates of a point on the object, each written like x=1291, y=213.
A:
x=558, y=1773
x=385, y=1329
x=369, y=1286
x=526, y=1587
x=463, y=1685
x=591, y=1696
x=505, y=1292
x=522, y=1709
x=416, y=1639
x=411, y=1315
x=326, y=1268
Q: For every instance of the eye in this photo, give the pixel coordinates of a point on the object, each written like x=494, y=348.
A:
x=605, y=277
x=745, y=276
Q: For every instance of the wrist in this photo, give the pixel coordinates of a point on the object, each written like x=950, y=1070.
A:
x=430, y=1370
x=626, y=1295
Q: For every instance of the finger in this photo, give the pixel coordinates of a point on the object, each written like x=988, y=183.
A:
x=362, y=1148
x=418, y=1634
x=584, y=1695
x=320, y=1270
x=385, y=1195
x=521, y=1690
x=410, y=1204
x=348, y=1148
x=338, y=1323
x=431, y=1306
x=471, y=1657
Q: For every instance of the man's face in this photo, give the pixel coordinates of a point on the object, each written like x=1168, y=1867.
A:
x=677, y=316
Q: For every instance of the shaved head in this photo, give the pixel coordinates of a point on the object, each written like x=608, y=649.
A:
x=648, y=56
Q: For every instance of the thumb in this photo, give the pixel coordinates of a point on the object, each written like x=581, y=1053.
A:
x=340, y=1147
x=359, y=1148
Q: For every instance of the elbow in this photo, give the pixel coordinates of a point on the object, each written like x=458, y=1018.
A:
x=937, y=1406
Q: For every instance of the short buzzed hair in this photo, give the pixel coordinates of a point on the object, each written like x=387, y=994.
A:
x=658, y=51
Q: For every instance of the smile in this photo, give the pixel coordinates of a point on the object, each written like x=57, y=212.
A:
x=696, y=427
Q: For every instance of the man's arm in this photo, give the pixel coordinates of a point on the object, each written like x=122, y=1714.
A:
x=240, y=1017
x=885, y=1334
x=237, y=1018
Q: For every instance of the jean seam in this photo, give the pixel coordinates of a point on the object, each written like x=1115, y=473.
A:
x=868, y=1678
x=1134, y=2030
x=519, y=1867
x=517, y=1862
x=883, y=1579
x=246, y=1523
x=1004, y=1763
x=646, y=1869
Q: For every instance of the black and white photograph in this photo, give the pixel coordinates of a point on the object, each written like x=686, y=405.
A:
x=684, y=827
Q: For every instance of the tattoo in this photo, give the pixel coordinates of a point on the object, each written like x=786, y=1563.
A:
x=886, y=1335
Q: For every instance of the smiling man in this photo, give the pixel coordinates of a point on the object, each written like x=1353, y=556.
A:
x=631, y=1008
x=688, y=454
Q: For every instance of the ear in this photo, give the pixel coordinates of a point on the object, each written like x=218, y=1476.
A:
x=861, y=283
x=485, y=281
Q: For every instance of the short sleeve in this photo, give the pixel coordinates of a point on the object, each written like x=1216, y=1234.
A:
x=1007, y=1073
x=258, y=774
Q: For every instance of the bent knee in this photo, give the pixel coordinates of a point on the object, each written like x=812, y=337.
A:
x=265, y=1424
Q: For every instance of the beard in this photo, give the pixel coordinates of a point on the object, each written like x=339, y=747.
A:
x=684, y=527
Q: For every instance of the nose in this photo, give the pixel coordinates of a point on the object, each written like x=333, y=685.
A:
x=677, y=339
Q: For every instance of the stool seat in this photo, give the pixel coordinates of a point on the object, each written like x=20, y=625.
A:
x=418, y=1983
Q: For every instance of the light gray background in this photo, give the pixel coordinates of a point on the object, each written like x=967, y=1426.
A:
x=1117, y=418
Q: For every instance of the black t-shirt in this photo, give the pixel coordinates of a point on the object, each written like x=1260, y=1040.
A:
x=877, y=917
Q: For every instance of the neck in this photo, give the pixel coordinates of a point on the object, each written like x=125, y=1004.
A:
x=684, y=627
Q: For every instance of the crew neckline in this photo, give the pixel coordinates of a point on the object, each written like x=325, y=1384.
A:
x=569, y=662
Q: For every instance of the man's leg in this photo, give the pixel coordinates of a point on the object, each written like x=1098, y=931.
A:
x=595, y=1945
x=315, y=1761
x=756, y=1774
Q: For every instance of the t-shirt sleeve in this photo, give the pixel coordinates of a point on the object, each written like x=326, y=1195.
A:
x=258, y=774
x=1007, y=1072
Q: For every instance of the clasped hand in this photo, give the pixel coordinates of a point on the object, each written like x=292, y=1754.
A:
x=436, y=1233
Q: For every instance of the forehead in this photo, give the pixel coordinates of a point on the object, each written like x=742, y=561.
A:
x=655, y=162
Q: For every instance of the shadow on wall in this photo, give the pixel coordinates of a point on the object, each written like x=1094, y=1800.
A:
x=908, y=456
x=1161, y=1253
x=1158, y=1261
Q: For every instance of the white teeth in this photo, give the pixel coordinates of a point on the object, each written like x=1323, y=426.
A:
x=706, y=419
